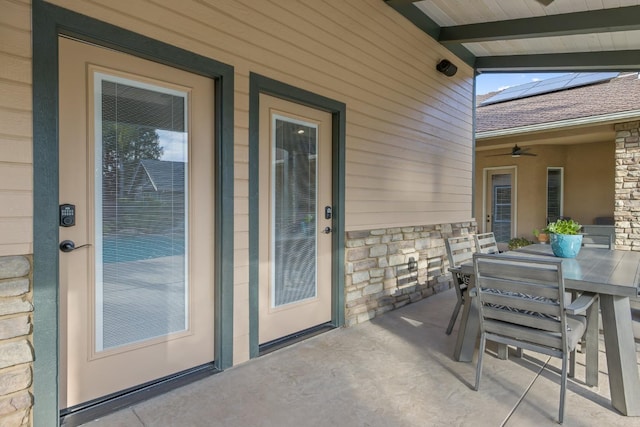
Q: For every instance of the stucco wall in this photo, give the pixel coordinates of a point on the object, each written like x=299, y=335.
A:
x=588, y=182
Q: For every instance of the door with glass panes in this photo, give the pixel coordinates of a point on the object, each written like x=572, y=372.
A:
x=136, y=189
x=295, y=218
x=500, y=203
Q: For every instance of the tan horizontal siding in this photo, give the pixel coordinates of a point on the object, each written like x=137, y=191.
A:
x=14, y=149
x=359, y=52
x=15, y=69
x=13, y=231
x=16, y=123
x=15, y=14
x=15, y=95
x=16, y=205
x=16, y=154
x=16, y=176
x=15, y=41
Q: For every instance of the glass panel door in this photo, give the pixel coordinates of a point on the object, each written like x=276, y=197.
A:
x=295, y=251
x=137, y=161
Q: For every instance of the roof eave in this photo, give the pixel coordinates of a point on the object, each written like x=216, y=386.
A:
x=577, y=122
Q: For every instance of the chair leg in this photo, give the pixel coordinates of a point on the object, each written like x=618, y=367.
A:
x=591, y=339
x=563, y=388
x=454, y=316
x=503, y=352
x=572, y=364
x=483, y=343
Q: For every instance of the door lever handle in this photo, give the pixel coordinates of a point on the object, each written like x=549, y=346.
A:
x=69, y=246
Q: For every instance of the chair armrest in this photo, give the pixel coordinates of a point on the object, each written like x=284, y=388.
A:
x=582, y=303
x=455, y=269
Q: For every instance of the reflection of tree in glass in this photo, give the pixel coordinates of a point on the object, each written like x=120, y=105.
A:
x=123, y=146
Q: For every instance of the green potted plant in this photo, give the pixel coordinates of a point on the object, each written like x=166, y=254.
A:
x=518, y=242
x=542, y=235
x=565, y=238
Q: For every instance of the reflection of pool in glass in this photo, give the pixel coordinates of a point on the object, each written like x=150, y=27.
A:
x=141, y=247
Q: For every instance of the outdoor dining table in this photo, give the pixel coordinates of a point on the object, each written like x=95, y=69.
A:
x=615, y=276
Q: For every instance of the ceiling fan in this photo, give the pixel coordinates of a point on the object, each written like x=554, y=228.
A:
x=545, y=2
x=516, y=152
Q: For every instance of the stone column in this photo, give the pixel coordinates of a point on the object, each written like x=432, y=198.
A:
x=627, y=186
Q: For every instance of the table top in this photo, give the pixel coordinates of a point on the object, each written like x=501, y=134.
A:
x=604, y=271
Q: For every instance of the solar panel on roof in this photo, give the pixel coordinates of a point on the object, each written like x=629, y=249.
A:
x=554, y=84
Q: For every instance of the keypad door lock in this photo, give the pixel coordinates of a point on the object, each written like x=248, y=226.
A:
x=67, y=215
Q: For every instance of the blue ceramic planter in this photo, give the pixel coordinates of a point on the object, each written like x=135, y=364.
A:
x=566, y=245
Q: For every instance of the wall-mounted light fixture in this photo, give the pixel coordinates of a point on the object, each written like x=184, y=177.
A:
x=447, y=68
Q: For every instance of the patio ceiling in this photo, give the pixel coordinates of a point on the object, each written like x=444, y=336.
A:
x=526, y=35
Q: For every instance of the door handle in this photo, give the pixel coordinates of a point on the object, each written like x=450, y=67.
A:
x=327, y=230
x=69, y=246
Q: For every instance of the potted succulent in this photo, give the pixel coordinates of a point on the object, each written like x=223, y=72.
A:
x=542, y=235
x=565, y=238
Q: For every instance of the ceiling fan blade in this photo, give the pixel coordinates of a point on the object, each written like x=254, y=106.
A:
x=515, y=152
x=545, y=2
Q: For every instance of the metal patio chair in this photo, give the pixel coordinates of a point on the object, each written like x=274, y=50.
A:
x=459, y=251
x=521, y=303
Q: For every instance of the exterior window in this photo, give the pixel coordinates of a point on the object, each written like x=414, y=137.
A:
x=554, y=193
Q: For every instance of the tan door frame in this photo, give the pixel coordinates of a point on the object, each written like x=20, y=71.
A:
x=261, y=84
x=48, y=23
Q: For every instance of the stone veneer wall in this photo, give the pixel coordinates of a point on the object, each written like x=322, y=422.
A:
x=377, y=275
x=627, y=186
x=16, y=354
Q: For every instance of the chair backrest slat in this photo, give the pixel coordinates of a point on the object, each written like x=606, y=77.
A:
x=459, y=250
x=486, y=243
x=534, y=290
x=603, y=241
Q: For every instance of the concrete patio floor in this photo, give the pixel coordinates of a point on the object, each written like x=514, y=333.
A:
x=396, y=370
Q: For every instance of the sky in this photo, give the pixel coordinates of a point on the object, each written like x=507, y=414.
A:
x=489, y=82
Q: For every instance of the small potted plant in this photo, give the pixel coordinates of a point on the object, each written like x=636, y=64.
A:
x=542, y=235
x=565, y=238
x=518, y=242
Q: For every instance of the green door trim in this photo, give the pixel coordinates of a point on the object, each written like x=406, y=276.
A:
x=260, y=84
x=48, y=23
